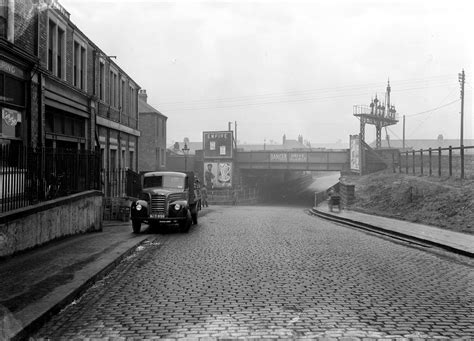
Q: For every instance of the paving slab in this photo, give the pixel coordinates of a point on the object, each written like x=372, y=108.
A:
x=39, y=282
x=456, y=241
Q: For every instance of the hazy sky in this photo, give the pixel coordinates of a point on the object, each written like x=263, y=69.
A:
x=290, y=67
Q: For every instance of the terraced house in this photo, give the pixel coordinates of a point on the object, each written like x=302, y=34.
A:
x=66, y=100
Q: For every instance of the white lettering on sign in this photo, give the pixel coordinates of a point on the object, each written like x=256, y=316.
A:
x=298, y=157
x=11, y=117
x=11, y=69
x=217, y=135
x=278, y=157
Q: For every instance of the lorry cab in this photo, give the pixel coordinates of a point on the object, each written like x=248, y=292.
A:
x=166, y=198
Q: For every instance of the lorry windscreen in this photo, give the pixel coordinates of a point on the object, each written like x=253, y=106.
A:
x=163, y=181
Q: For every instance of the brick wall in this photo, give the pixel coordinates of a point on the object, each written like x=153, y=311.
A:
x=147, y=158
x=43, y=39
x=25, y=26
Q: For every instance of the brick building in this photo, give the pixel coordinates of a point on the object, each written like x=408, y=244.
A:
x=89, y=101
x=152, y=144
x=59, y=90
x=19, y=92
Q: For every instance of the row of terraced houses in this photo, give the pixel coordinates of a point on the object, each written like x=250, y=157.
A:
x=69, y=105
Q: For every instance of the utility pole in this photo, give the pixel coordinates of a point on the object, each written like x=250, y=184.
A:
x=462, y=79
x=235, y=133
x=404, y=132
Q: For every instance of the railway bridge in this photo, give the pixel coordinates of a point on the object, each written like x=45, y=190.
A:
x=317, y=160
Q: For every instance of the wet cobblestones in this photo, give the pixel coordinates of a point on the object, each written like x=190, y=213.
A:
x=275, y=272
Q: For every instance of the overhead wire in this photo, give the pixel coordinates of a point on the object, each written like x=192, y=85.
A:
x=368, y=86
x=432, y=110
x=256, y=101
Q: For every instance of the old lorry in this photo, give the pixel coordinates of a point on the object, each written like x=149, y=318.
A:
x=167, y=198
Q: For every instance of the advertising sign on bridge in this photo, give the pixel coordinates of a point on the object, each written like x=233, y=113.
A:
x=278, y=157
x=218, y=144
x=355, y=153
x=298, y=157
x=288, y=157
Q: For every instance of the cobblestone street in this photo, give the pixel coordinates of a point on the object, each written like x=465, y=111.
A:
x=275, y=272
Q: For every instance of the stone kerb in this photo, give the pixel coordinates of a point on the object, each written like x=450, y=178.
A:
x=32, y=226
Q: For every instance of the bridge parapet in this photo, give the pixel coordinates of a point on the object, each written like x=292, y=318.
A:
x=319, y=160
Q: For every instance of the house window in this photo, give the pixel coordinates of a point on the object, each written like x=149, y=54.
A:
x=83, y=68
x=111, y=76
x=3, y=18
x=122, y=95
x=163, y=128
x=59, y=59
x=56, y=48
x=130, y=160
x=79, y=65
x=101, y=81
x=113, y=89
x=102, y=158
x=52, y=38
x=157, y=126
x=113, y=159
x=132, y=102
x=6, y=26
x=162, y=161
x=76, y=61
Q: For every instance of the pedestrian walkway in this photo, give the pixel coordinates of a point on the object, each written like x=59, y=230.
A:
x=454, y=241
x=39, y=282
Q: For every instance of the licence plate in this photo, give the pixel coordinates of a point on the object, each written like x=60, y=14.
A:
x=157, y=216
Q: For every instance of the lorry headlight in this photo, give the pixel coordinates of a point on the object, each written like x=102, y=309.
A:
x=138, y=207
x=177, y=207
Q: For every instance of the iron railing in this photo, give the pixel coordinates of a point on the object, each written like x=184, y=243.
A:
x=31, y=175
x=452, y=162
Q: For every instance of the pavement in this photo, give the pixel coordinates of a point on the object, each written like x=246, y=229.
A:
x=450, y=240
x=38, y=283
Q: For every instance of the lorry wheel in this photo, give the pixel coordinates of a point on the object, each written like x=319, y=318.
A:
x=136, y=225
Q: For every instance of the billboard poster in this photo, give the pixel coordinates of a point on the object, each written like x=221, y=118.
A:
x=217, y=144
x=217, y=174
x=355, y=153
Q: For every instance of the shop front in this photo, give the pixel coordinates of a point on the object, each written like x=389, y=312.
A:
x=13, y=104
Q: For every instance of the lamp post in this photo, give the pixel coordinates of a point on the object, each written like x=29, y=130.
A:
x=185, y=153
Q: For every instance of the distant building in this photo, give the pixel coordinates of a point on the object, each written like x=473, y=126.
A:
x=152, y=144
x=287, y=144
x=177, y=148
x=425, y=144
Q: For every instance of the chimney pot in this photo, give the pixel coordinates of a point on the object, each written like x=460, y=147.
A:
x=142, y=94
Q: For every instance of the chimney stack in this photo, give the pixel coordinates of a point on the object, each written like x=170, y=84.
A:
x=142, y=95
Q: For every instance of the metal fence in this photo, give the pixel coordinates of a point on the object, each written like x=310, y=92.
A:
x=452, y=162
x=31, y=175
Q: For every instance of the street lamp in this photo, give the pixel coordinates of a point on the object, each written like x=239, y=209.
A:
x=185, y=153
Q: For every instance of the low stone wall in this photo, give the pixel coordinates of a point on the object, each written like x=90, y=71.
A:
x=346, y=191
x=34, y=225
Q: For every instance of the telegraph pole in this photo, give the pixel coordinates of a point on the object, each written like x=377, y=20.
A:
x=403, y=132
x=235, y=133
x=462, y=79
